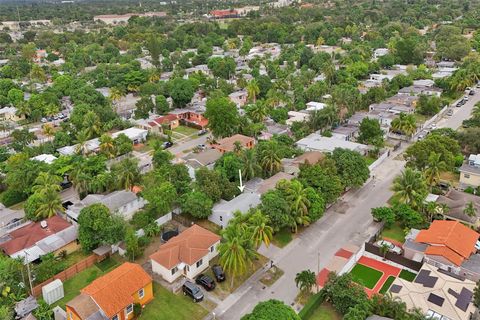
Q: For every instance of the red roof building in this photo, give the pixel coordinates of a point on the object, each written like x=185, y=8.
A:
x=224, y=14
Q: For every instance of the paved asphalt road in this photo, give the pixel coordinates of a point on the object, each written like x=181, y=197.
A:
x=348, y=221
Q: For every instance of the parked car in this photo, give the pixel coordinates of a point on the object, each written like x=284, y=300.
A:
x=391, y=246
x=218, y=273
x=201, y=146
x=167, y=145
x=465, y=98
x=206, y=282
x=449, y=112
x=192, y=290
x=471, y=92
x=459, y=104
x=202, y=132
x=13, y=221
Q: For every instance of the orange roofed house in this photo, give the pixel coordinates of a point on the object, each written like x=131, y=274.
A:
x=448, y=245
x=228, y=144
x=187, y=254
x=113, y=295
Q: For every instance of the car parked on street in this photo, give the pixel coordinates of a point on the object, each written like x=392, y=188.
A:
x=391, y=246
x=192, y=290
x=167, y=145
x=218, y=273
x=449, y=112
x=206, y=282
x=202, y=132
x=471, y=92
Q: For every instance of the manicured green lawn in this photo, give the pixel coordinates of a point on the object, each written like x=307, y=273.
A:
x=169, y=306
x=369, y=160
x=387, y=284
x=394, y=232
x=325, y=312
x=73, y=285
x=365, y=276
x=407, y=275
x=282, y=237
x=186, y=130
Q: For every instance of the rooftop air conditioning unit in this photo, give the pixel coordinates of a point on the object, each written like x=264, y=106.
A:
x=43, y=224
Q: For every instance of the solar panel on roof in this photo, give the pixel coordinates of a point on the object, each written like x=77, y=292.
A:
x=395, y=288
x=437, y=300
x=424, y=278
x=464, y=299
x=453, y=292
x=421, y=276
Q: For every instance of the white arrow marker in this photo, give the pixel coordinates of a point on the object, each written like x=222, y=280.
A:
x=241, y=186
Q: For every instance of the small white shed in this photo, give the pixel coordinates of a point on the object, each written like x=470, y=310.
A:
x=53, y=291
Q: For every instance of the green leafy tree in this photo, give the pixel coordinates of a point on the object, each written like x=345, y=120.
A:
x=323, y=179
x=270, y=160
x=272, y=310
x=434, y=168
x=418, y=154
x=127, y=173
x=161, y=197
x=222, y=115
x=405, y=124
x=470, y=209
x=253, y=90
x=197, y=204
x=181, y=91
x=370, y=132
x=276, y=207
x=351, y=167
x=385, y=214
x=260, y=228
x=50, y=204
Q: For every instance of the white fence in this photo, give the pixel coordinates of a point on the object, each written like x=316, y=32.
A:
x=379, y=160
x=435, y=117
x=352, y=261
x=160, y=221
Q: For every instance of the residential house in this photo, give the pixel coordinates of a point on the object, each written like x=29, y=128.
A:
x=271, y=183
x=228, y=144
x=448, y=245
x=297, y=116
x=436, y=294
x=187, y=254
x=113, y=295
x=36, y=239
x=123, y=18
x=206, y=158
x=316, y=142
x=470, y=172
x=136, y=135
x=156, y=125
x=315, y=106
x=240, y=98
x=417, y=90
x=45, y=158
x=456, y=201
x=124, y=203
x=10, y=114
x=346, y=132
x=380, y=52
x=223, y=211
x=192, y=117
x=292, y=166
x=224, y=14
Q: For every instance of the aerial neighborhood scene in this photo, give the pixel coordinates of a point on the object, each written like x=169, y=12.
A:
x=239, y=159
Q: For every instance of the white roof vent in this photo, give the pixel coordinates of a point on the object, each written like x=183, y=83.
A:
x=43, y=224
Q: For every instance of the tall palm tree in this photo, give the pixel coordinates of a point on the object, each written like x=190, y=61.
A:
x=81, y=142
x=261, y=230
x=107, y=145
x=80, y=178
x=296, y=195
x=50, y=204
x=476, y=111
x=250, y=164
x=23, y=108
x=470, y=209
x=101, y=182
x=45, y=181
x=127, y=173
x=328, y=69
x=51, y=109
x=253, y=90
x=257, y=112
x=270, y=160
x=92, y=124
x=410, y=187
x=434, y=167
x=236, y=251
x=305, y=280
x=116, y=94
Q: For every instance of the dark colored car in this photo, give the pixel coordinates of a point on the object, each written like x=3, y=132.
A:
x=202, y=132
x=192, y=290
x=206, y=282
x=472, y=92
x=167, y=145
x=218, y=273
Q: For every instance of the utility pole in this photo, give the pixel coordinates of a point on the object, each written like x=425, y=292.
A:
x=28, y=272
x=318, y=268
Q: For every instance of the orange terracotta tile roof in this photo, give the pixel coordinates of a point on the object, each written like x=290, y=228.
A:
x=229, y=143
x=188, y=247
x=457, y=240
x=114, y=291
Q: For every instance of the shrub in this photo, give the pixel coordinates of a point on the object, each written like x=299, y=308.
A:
x=469, y=190
x=11, y=197
x=312, y=304
x=137, y=309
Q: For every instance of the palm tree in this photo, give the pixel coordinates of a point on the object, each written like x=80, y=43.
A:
x=116, y=94
x=384, y=249
x=236, y=251
x=50, y=204
x=51, y=109
x=253, y=90
x=101, y=182
x=92, y=124
x=305, y=280
x=476, y=111
x=257, y=112
x=470, y=209
x=261, y=230
x=250, y=164
x=410, y=187
x=45, y=181
x=48, y=130
x=434, y=167
x=23, y=108
x=237, y=147
x=405, y=123
x=270, y=160
x=296, y=195
x=126, y=173
x=328, y=69
x=80, y=178
x=107, y=145
x=82, y=139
